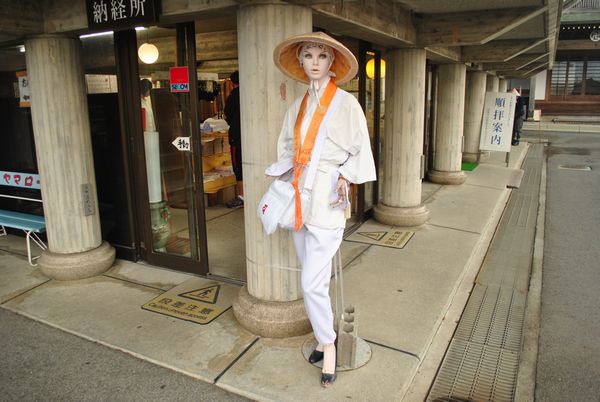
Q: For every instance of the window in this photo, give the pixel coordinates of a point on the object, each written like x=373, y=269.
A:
x=592, y=80
x=575, y=78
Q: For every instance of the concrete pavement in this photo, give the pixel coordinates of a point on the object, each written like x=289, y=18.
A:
x=568, y=366
x=408, y=302
x=40, y=363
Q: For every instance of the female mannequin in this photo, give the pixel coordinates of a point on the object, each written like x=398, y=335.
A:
x=346, y=158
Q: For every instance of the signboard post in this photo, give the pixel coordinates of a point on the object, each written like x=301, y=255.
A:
x=497, y=124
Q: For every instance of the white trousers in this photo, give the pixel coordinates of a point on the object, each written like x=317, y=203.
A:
x=315, y=248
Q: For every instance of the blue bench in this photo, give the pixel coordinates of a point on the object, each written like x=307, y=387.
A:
x=29, y=223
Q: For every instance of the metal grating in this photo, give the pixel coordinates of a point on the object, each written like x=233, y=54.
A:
x=482, y=361
x=493, y=317
x=475, y=372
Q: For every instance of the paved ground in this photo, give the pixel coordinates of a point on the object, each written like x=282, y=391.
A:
x=41, y=363
x=569, y=351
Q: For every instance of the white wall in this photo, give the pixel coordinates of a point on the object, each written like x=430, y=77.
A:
x=540, y=85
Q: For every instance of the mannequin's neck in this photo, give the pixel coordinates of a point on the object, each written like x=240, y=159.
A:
x=320, y=83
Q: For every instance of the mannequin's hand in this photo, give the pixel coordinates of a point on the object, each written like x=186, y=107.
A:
x=341, y=188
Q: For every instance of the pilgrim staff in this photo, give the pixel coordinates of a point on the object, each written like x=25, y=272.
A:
x=346, y=157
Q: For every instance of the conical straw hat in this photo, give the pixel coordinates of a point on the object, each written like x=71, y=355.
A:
x=285, y=57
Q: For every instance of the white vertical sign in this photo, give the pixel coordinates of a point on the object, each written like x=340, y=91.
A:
x=497, y=124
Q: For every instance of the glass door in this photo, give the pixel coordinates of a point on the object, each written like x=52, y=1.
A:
x=166, y=146
x=367, y=87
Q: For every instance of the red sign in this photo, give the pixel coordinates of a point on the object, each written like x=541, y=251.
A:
x=180, y=79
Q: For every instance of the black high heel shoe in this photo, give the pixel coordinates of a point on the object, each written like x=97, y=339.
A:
x=315, y=356
x=327, y=379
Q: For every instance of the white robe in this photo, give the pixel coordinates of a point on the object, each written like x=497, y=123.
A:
x=346, y=151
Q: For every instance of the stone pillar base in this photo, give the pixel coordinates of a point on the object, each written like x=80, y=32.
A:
x=436, y=176
x=469, y=157
x=271, y=319
x=66, y=267
x=401, y=216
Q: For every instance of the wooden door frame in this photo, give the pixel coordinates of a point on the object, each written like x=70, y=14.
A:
x=131, y=125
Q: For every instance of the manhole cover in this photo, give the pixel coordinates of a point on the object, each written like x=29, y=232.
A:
x=575, y=167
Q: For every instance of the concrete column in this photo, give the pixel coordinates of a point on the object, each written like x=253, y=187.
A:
x=404, y=116
x=492, y=83
x=474, y=100
x=271, y=304
x=64, y=153
x=449, y=127
x=503, y=85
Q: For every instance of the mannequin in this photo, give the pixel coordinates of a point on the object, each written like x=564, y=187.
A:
x=346, y=157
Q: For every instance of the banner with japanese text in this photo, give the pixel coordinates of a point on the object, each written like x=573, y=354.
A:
x=497, y=124
x=16, y=179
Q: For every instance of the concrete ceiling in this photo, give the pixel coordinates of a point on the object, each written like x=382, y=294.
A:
x=470, y=31
x=457, y=6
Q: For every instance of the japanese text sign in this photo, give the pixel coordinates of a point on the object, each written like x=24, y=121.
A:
x=120, y=14
x=182, y=143
x=24, y=94
x=180, y=79
x=497, y=124
x=14, y=179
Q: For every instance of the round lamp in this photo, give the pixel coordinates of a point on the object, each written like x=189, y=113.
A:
x=148, y=53
x=371, y=68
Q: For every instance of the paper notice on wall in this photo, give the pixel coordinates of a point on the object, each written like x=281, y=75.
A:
x=101, y=84
x=497, y=124
x=24, y=94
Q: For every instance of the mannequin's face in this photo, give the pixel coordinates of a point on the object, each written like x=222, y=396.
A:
x=316, y=62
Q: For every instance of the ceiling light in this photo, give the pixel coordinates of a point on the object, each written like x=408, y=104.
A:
x=148, y=53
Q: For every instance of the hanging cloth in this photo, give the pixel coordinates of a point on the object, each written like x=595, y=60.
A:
x=303, y=152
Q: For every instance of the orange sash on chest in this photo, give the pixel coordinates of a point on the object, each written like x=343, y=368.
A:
x=302, y=153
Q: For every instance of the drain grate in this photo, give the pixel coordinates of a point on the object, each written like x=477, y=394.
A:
x=474, y=372
x=493, y=317
x=575, y=167
x=482, y=360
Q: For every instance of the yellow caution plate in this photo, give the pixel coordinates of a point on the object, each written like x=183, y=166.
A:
x=386, y=236
x=197, y=300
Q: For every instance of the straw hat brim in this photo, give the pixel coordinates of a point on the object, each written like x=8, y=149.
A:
x=285, y=57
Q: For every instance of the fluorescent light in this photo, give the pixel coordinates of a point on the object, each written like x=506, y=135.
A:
x=96, y=34
x=140, y=28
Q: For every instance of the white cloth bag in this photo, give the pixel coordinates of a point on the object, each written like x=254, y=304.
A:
x=277, y=206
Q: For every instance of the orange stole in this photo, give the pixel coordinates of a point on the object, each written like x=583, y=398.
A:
x=302, y=153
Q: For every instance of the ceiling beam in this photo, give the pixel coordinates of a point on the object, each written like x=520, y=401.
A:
x=516, y=63
x=385, y=22
x=499, y=51
x=472, y=27
x=443, y=54
x=20, y=18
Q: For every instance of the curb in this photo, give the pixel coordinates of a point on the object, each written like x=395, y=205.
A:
x=526, y=377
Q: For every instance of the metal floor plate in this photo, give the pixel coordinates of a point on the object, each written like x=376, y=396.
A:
x=482, y=361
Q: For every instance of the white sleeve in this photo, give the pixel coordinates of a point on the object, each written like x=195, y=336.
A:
x=360, y=166
x=285, y=143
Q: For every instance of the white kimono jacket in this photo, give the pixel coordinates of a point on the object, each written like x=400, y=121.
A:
x=346, y=151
